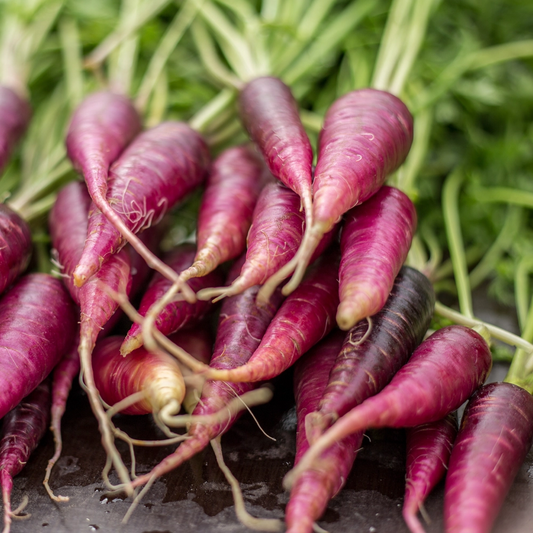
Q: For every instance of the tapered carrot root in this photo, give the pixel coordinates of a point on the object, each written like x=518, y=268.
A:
x=442, y=373
x=495, y=436
x=317, y=485
x=368, y=360
x=376, y=238
x=429, y=447
x=15, y=114
x=22, y=429
x=366, y=136
x=270, y=114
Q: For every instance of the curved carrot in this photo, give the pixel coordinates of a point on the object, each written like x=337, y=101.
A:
x=22, y=429
x=15, y=246
x=495, y=436
x=15, y=114
x=441, y=374
x=317, y=485
x=367, y=362
x=428, y=451
x=376, y=238
x=366, y=135
x=157, y=170
x=270, y=114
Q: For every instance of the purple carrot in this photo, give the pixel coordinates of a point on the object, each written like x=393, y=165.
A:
x=240, y=328
x=63, y=376
x=428, y=451
x=274, y=237
x=15, y=246
x=302, y=321
x=366, y=364
x=232, y=188
x=22, y=429
x=313, y=490
x=15, y=114
x=37, y=327
x=158, y=169
x=366, y=135
x=442, y=373
x=494, y=438
x=376, y=238
x=178, y=314
x=269, y=112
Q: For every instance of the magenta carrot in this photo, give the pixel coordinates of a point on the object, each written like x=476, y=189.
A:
x=241, y=326
x=269, y=112
x=37, y=327
x=178, y=314
x=366, y=135
x=158, y=169
x=376, y=238
x=15, y=246
x=366, y=364
x=63, y=376
x=15, y=114
x=22, y=430
x=494, y=438
x=274, y=237
x=428, y=451
x=304, y=319
x=232, y=188
x=316, y=486
x=442, y=373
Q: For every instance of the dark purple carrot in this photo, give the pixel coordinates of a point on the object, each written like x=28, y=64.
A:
x=232, y=188
x=178, y=314
x=428, y=451
x=158, y=169
x=37, y=328
x=375, y=240
x=15, y=114
x=442, y=373
x=63, y=376
x=15, y=246
x=22, y=429
x=270, y=114
x=366, y=135
x=313, y=490
x=366, y=363
x=240, y=328
x=274, y=237
x=494, y=438
x=302, y=321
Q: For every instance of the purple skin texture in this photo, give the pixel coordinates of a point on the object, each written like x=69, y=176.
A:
x=375, y=241
x=233, y=185
x=362, y=369
x=178, y=314
x=270, y=114
x=100, y=128
x=494, y=438
x=16, y=246
x=429, y=447
x=159, y=168
x=241, y=325
x=15, y=115
x=440, y=375
x=38, y=326
x=366, y=135
x=303, y=320
x=22, y=429
x=311, y=494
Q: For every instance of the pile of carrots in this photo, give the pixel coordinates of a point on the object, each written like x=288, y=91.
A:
x=310, y=258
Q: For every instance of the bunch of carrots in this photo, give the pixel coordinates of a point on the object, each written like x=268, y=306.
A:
x=306, y=232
